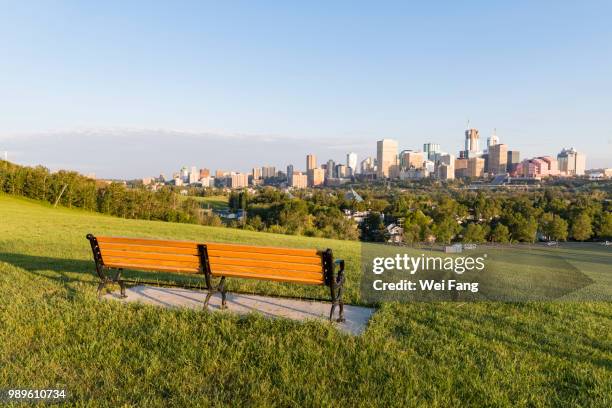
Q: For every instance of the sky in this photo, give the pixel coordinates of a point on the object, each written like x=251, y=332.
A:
x=135, y=89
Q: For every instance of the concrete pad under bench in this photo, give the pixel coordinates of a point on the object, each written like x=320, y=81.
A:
x=357, y=317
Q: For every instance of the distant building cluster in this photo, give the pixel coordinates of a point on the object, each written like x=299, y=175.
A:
x=494, y=160
x=472, y=162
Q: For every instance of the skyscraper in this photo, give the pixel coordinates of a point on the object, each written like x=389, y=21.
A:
x=368, y=166
x=514, y=158
x=238, y=180
x=194, y=174
x=571, y=162
x=492, y=140
x=290, y=174
x=472, y=141
x=256, y=173
x=431, y=150
x=316, y=177
x=446, y=167
x=330, y=169
x=498, y=158
x=411, y=159
x=298, y=180
x=386, y=154
x=475, y=167
x=185, y=174
x=351, y=163
x=311, y=162
x=268, y=172
x=204, y=173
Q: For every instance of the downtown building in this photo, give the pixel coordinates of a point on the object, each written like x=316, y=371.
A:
x=512, y=161
x=351, y=163
x=315, y=177
x=446, y=167
x=431, y=151
x=238, y=180
x=409, y=159
x=571, y=162
x=472, y=144
x=268, y=172
x=498, y=159
x=298, y=180
x=386, y=155
x=311, y=162
x=475, y=167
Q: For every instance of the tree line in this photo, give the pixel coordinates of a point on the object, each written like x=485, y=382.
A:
x=501, y=217
x=72, y=190
x=430, y=214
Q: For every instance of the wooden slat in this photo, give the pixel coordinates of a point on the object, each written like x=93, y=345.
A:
x=277, y=278
x=160, y=268
x=150, y=255
x=311, y=260
x=231, y=260
x=146, y=241
x=218, y=261
x=149, y=248
x=151, y=263
x=214, y=246
x=267, y=271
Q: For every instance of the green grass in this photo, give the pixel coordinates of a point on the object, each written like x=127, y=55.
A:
x=54, y=331
x=213, y=202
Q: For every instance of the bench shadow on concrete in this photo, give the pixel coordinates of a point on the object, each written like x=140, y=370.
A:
x=357, y=317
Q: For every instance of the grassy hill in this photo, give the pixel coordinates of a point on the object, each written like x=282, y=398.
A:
x=54, y=331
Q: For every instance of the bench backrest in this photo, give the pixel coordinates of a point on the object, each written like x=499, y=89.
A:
x=255, y=262
x=304, y=266
x=150, y=254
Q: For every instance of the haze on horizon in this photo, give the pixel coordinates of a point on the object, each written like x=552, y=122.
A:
x=129, y=90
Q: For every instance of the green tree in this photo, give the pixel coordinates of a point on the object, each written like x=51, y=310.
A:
x=474, y=233
x=500, y=234
x=581, y=227
x=373, y=228
x=605, y=226
x=553, y=227
x=558, y=229
x=523, y=229
x=294, y=217
x=446, y=229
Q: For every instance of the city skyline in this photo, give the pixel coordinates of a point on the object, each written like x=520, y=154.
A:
x=494, y=161
x=292, y=74
x=83, y=143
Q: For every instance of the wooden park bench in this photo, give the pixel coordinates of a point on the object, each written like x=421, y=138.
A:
x=216, y=260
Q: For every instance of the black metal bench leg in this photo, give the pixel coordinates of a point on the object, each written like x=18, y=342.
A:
x=332, y=290
x=220, y=288
x=208, y=295
x=121, y=283
x=223, y=291
x=341, y=318
x=337, y=290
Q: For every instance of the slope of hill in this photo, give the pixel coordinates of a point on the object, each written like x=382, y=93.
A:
x=55, y=332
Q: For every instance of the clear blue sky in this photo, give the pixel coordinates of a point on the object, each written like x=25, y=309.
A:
x=129, y=89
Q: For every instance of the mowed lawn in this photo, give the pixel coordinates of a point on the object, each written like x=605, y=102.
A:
x=55, y=332
x=213, y=202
